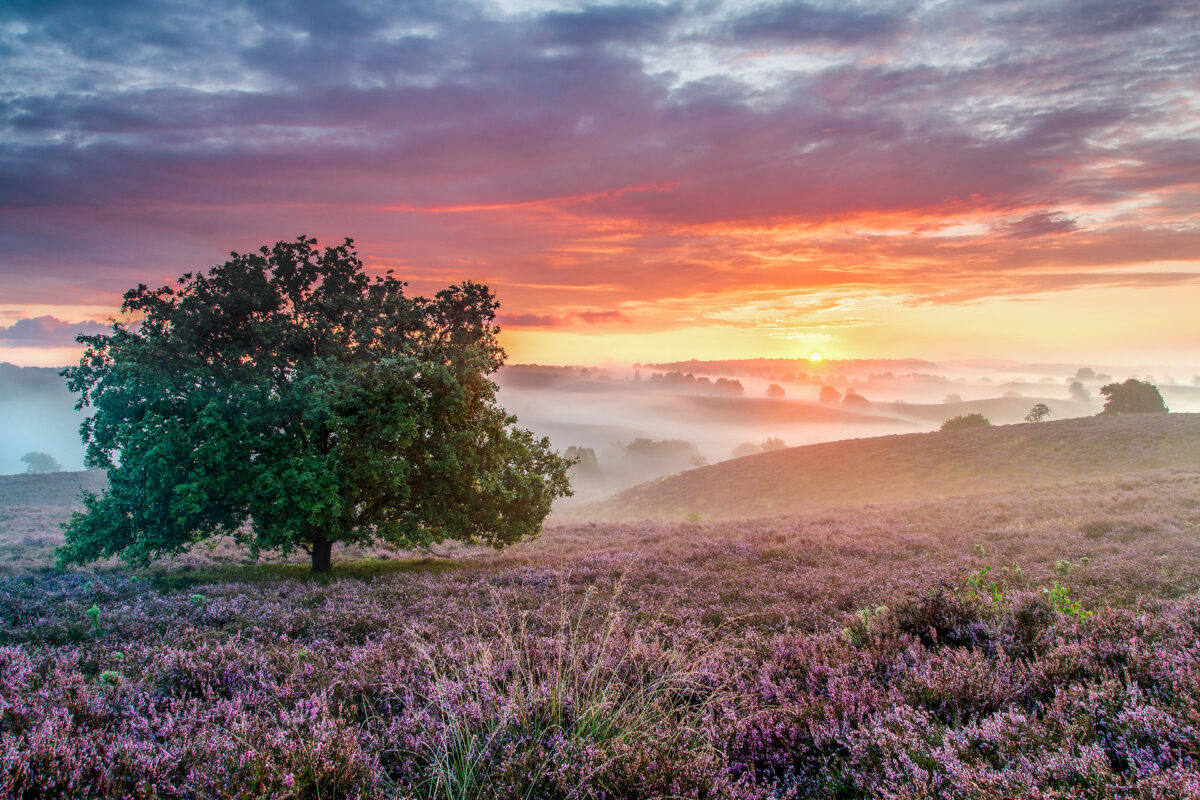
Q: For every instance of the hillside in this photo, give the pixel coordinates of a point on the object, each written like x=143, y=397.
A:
x=911, y=467
x=48, y=489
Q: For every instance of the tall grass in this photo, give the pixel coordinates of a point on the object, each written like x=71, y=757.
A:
x=534, y=690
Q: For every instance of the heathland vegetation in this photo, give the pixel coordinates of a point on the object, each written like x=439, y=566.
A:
x=1037, y=641
x=984, y=612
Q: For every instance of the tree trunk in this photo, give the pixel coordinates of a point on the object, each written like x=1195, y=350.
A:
x=322, y=550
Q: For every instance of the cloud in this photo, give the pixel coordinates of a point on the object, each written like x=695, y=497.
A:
x=47, y=331
x=529, y=321
x=653, y=152
x=1040, y=224
x=798, y=22
x=602, y=317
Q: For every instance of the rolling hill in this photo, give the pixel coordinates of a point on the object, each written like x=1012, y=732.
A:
x=59, y=489
x=911, y=467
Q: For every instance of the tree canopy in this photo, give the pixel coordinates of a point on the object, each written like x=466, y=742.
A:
x=1132, y=397
x=1038, y=413
x=966, y=421
x=37, y=461
x=289, y=400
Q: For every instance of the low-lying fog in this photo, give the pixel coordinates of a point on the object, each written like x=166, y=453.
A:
x=629, y=424
x=632, y=424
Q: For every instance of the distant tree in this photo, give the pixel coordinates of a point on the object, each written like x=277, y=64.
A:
x=830, y=394
x=1132, y=397
x=772, y=443
x=952, y=398
x=37, y=461
x=853, y=398
x=745, y=449
x=775, y=390
x=730, y=386
x=1085, y=374
x=1038, y=413
x=698, y=461
x=584, y=461
x=287, y=389
x=1012, y=393
x=966, y=421
x=1079, y=393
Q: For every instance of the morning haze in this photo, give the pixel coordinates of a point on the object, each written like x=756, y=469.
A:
x=746, y=400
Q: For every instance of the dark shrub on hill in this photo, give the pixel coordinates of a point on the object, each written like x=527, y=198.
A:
x=965, y=421
x=1132, y=397
x=855, y=399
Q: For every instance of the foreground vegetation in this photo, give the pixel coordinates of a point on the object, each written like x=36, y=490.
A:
x=1040, y=642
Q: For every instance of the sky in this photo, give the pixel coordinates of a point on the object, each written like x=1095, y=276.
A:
x=636, y=181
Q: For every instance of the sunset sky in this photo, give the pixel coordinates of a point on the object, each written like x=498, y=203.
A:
x=641, y=181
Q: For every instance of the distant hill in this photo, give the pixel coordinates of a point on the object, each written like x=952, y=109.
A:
x=913, y=466
x=49, y=489
x=1000, y=410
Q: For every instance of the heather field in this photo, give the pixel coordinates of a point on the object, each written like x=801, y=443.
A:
x=1036, y=642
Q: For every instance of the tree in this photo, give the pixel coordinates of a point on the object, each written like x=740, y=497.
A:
x=965, y=422
x=1132, y=397
x=37, y=461
x=1038, y=413
x=853, y=398
x=288, y=390
x=775, y=390
x=1079, y=393
x=829, y=394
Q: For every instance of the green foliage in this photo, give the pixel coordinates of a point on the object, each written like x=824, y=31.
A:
x=966, y=421
x=93, y=615
x=1038, y=413
x=287, y=389
x=979, y=585
x=1058, y=595
x=36, y=461
x=198, y=600
x=866, y=621
x=1132, y=397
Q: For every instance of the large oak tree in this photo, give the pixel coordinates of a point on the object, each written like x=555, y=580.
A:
x=289, y=400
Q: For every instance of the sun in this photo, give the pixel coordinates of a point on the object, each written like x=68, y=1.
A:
x=815, y=356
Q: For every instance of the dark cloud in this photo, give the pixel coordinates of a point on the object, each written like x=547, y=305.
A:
x=529, y=320
x=1042, y=223
x=596, y=25
x=798, y=22
x=598, y=317
x=642, y=146
x=47, y=332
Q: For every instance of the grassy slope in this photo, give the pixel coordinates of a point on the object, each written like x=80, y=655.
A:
x=48, y=489
x=912, y=467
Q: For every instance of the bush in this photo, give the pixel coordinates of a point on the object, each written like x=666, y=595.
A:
x=1038, y=413
x=965, y=421
x=1132, y=397
x=942, y=618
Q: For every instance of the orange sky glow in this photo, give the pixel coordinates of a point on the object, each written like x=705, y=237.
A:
x=636, y=182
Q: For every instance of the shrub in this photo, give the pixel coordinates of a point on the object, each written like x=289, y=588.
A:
x=1038, y=413
x=942, y=617
x=966, y=421
x=1132, y=397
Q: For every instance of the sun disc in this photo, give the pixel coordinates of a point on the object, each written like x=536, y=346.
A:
x=815, y=356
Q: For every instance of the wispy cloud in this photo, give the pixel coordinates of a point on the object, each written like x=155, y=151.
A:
x=940, y=152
